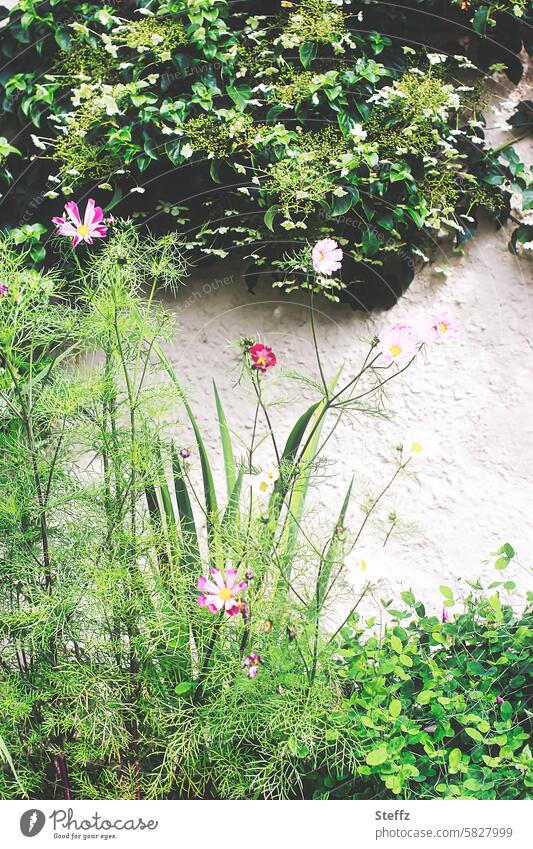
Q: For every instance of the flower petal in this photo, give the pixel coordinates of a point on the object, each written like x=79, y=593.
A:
x=214, y=603
x=217, y=578
x=73, y=212
x=231, y=577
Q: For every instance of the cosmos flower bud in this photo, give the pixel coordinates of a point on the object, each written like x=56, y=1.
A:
x=252, y=663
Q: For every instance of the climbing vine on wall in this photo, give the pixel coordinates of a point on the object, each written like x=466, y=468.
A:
x=262, y=127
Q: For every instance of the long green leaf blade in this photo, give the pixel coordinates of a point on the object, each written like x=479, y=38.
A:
x=227, y=449
x=327, y=564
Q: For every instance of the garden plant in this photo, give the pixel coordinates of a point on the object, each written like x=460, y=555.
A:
x=162, y=640
x=286, y=123
x=166, y=631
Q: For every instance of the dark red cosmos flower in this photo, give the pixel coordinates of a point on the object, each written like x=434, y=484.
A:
x=262, y=356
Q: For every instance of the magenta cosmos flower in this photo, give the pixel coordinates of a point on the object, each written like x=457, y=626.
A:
x=252, y=663
x=221, y=591
x=4, y=290
x=92, y=226
x=398, y=343
x=327, y=257
x=262, y=356
x=444, y=327
x=445, y=617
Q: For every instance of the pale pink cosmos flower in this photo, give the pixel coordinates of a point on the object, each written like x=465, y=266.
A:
x=92, y=226
x=444, y=327
x=398, y=343
x=424, y=329
x=327, y=257
x=221, y=591
x=366, y=564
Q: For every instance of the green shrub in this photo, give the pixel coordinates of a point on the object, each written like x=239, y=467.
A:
x=233, y=100
x=437, y=709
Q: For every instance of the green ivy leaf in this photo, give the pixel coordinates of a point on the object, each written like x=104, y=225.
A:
x=307, y=53
x=341, y=205
x=270, y=214
x=240, y=96
x=370, y=242
x=479, y=21
x=63, y=39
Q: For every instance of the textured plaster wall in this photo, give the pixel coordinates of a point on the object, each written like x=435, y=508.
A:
x=474, y=396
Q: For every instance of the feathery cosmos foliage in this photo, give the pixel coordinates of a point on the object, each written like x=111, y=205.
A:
x=159, y=639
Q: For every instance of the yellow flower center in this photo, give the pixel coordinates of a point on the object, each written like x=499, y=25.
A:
x=363, y=565
x=225, y=594
x=395, y=350
x=83, y=230
x=442, y=327
x=261, y=361
x=263, y=486
x=320, y=256
x=416, y=446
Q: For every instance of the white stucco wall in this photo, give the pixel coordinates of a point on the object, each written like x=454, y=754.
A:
x=474, y=395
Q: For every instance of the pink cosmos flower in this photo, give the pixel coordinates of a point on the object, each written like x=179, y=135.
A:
x=221, y=591
x=423, y=327
x=4, y=290
x=252, y=662
x=327, y=257
x=444, y=327
x=262, y=356
x=499, y=700
x=398, y=343
x=92, y=226
x=445, y=616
